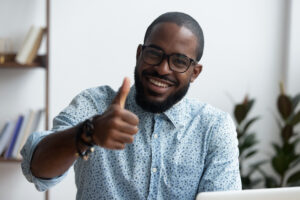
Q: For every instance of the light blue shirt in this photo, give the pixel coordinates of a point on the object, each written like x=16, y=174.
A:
x=190, y=148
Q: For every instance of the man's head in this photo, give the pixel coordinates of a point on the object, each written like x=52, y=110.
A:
x=168, y=61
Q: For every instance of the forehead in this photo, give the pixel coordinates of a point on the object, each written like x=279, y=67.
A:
x=173, y=39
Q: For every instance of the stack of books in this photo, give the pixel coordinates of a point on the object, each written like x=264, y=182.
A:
x=15, y=133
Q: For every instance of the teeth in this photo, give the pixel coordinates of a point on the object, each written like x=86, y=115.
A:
x=157, y=83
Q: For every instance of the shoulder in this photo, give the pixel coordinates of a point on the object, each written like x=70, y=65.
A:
x=205, y=111
x=103, y=94
x=87, y=103
x=96, y=96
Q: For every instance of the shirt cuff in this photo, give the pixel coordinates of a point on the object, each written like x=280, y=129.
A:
x=26, y=152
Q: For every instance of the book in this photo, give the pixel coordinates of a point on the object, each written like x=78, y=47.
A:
x=33, y=53
x=37, y=120
x=14, y=137
x=30, y=45
x=26, y=133
x=6, y=136
x=3, y=129
x=33, y=124
x=21, y=134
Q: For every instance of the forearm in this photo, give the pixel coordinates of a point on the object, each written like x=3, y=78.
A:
x=54, y=154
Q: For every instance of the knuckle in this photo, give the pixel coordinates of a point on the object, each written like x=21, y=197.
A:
x=120, y=146
x=136, y=120
x=130, y=139
x=114, y=122
x=136, y=129
x=116, y=110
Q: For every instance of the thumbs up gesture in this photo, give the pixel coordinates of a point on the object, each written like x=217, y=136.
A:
x=116, y=126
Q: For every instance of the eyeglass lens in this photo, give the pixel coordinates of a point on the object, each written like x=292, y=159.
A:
x=177, y=62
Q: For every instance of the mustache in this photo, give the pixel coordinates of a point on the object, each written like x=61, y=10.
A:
x=163, y=77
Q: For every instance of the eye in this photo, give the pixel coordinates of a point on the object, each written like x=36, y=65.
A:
x=180, y=60
x=153, y=53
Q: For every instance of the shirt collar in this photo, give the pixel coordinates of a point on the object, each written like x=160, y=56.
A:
x=177, y=114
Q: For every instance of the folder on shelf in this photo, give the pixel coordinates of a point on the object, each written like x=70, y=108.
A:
x=6, y=135
x=30, y=46
x=26, y=132
x=32, y=124
x=21, y=134
x=14, y=137
x=3, y=130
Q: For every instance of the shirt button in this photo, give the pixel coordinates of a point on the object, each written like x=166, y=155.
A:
x=154, y=170
x=155, y=136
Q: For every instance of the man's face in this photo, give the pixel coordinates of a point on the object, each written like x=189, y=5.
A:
x=158, y=87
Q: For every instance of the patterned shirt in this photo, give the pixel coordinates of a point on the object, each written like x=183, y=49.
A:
x=190, y=148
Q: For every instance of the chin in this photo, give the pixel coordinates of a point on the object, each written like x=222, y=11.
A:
x=152, y=102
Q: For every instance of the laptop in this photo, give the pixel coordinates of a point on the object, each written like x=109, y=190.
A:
x=288, y=193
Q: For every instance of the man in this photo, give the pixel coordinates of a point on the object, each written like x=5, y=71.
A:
x=150, y=141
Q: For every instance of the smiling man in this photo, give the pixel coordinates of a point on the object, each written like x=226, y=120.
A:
x=144, y=142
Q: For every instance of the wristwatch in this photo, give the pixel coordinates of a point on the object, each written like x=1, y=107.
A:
x=87, y=131
x=84, y=136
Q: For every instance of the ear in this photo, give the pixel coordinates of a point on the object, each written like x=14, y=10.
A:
x=196, y=71
x=138, y=52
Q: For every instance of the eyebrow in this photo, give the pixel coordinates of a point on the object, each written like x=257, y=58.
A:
x=159, y=48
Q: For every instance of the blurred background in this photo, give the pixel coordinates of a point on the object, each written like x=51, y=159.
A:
x=250, y=46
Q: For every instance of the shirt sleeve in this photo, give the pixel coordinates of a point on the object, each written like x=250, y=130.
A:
x=221, y=171
x=27, y=151
x=81, y=107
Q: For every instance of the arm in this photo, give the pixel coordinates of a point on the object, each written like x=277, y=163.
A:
x=55, y=153
x=221, y=164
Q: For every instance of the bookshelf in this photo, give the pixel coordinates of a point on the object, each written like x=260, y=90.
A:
x=41, y=62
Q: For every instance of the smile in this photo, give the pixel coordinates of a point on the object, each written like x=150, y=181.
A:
x=158, y=83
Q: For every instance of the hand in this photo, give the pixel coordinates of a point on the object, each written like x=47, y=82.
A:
x=116, y=126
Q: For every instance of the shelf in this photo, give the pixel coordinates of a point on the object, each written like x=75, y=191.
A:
x=39, y=62
x=10, y=160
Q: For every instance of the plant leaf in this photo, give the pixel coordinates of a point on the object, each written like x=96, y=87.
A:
x=295, y=119
x=277, y=148
x=251, y=153
x=240, y=112
x=295, y=162
x=287, y=132
x=271, y=182
x=295, y=101
x=295, y=177
x=247, y=125
x=249, y=105
x=280, y=163
x=254, y=182
x=248, y=142
x=285, y=106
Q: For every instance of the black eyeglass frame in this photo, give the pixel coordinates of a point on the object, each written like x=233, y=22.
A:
x=168, y=58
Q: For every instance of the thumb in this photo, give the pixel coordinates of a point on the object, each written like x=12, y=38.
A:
x=122, y=93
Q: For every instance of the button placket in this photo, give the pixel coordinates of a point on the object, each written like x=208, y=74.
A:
x=155, y=165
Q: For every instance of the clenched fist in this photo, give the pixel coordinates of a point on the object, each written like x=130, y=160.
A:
x=116, y=126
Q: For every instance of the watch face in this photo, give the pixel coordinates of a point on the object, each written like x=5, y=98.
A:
x=88, y=129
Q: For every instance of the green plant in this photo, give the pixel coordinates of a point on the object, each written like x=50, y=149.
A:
x=286, y=158
x=247, y=141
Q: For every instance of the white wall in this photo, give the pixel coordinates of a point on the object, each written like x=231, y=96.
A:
x=94, y=43
x=294, y=59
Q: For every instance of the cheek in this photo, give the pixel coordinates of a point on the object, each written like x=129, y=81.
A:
x=184, y=79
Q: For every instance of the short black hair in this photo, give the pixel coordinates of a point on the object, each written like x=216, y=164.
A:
x=181, y=19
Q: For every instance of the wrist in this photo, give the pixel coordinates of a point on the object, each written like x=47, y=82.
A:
x=84, y=138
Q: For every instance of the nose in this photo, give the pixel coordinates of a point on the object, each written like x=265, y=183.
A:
x=163, y=68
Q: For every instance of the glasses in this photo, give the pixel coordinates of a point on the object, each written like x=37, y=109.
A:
x=177, y=62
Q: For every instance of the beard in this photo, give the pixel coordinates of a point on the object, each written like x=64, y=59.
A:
x=155, y=106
